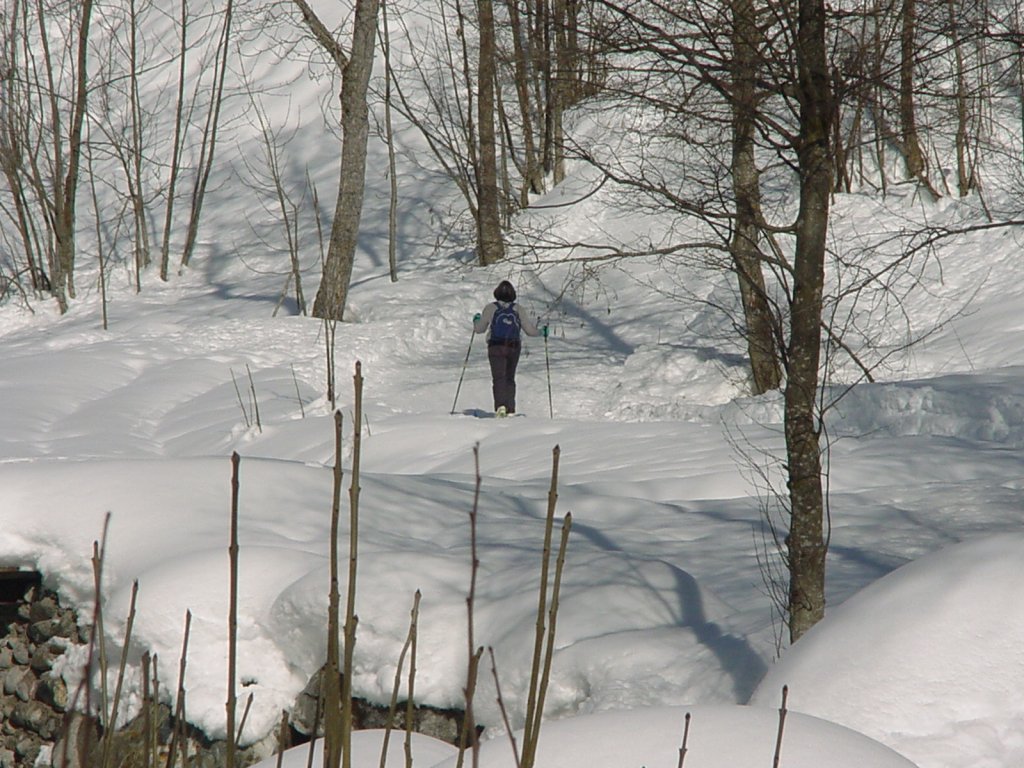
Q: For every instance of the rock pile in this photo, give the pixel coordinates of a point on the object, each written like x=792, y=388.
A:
x=33, y=700
x=38, y=727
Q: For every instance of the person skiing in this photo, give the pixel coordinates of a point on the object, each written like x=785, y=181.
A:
x=505, y=321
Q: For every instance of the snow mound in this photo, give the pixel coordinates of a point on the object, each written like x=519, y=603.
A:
x=719, y=737
x=985, y=406
x=931, y=649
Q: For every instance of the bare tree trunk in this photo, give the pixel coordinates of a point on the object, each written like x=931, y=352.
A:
x=390, y=137
x=489, y=240
x=14, y=146
x=806, y=541
x=355, y=126
x=912, y=152
x=881, y=126
x=64, y=223
x=532, y=176
x=134, y=169
x=209, y=138
x=964, y=173
x=545, y=56
x=560, y=89
x=760, y=337
x=1018, y=26
x=176, y=148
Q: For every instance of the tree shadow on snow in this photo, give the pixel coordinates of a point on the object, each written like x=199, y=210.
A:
x=737, y=657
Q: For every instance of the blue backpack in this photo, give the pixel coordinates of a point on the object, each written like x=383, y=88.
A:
x=505, y=325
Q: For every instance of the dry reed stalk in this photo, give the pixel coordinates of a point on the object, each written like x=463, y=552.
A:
x=686, y=739
x=241, y=724
x=782, y=727
x=317, y=716
x=504, y=710
x=232, y=702
x=282, y=738
x=329, y=683
x=393, y=706
x=177, y=734
x=531, y=727
x=241, y=403
x=467, y=734
x=530, y=749
x=255, y=400
x=350, y=607
x=115, y=705
x=147, y=713
x=99, y=633
x=410, y=708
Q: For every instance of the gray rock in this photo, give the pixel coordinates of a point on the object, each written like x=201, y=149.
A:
x=43, y=609
x=37, y=718
x=27, y=748
x=20, y=682
x=43, y=631
x=53, y=692
x=443, y=724
x=42, y=659
x=21, y=653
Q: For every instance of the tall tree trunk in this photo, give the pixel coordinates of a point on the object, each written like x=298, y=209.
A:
x=560, y=89
x=64, y=225
x=355, y=80
x=533, y=181
x=761, y=347
x=964, y=174
x=172, y=184
x=489, y=239
x=209, y=144
x=806, y=541
x=389, y=132
x=912, y=152
x=134, y=171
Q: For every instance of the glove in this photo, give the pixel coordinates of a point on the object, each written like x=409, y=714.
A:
x=476, y=318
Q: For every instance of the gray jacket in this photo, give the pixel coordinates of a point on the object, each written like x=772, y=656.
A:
x=481, y=325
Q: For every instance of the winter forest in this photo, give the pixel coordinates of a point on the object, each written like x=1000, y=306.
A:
x=777, y=247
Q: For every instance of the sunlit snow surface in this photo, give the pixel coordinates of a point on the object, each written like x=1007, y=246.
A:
x=665, y=464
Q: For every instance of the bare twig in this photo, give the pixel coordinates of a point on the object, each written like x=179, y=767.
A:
x=332, y=670
x=282, y=738
x=255, y=400
x=179, y=707
x=245, y=716
x=393, y=706
x=350, y=608
x=115, y=705
x=241, y=402
x=233, y=609
x=467, y=735
x=504, y=710
x=298, y=394
x=782, y=726
x=686, y=739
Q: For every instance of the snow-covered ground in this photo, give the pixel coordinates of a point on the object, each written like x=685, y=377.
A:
x=664, y=464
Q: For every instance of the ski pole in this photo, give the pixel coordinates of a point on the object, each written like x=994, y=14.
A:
x=463, y=374
x=547, y=364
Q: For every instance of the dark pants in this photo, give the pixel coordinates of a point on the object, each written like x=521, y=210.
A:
x=503, y=359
